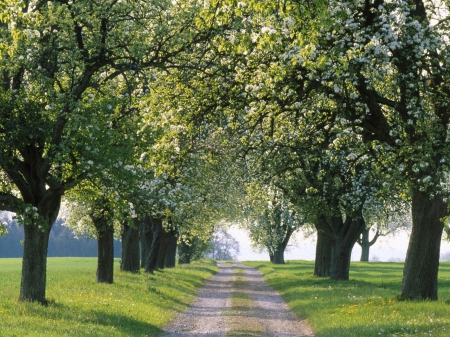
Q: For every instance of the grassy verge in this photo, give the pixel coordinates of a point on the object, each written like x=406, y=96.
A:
x=364, y=306
x=135, y=305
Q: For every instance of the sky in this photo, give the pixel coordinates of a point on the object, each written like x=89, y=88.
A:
x=386, y=248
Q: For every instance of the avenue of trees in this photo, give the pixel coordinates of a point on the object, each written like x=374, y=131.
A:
x=156, y=121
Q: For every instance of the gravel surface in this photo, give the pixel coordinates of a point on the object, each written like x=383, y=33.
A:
x=237, y=302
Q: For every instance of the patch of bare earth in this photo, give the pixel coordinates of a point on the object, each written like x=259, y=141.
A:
x=237, y=302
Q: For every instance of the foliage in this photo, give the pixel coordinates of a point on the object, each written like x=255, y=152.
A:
x=135, y=305
x=222, y=246
x=366, y=305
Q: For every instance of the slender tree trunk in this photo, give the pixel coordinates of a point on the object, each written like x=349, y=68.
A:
x=171, y=250
x=156, y=243
x=34, y=264
x=420, y=273
x=322, y=264
x=105, y=241
x=130, y=249
x=145, y=239
x=365, y=245
x=165, y=240
x=184, y=253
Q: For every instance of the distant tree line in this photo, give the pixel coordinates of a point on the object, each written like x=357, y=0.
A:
x=62, y=242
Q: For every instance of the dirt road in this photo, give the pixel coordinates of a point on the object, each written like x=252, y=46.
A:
x=237, y=302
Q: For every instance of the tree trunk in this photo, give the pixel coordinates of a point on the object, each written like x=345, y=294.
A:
x=130, y=249
x=365, y=245
x=156, y=243
x=278, y=253
x=105, y=241
x=343, y=241
x=145, y=239
x=420, y=273
x=322, y=264
x=34, y=264
x=165, y=240
x=171, y=251
x=184, y=253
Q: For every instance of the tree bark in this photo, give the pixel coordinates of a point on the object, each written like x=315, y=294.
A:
x=156, y=243
x=130, y=249
x=105, y=259
x=171, y=250
x=278, y=253
x=322, y=263
x=364, y=243
x=165, y=240
x=420, y=273
x=34, y=264
x=145, y=239
x=343, y=241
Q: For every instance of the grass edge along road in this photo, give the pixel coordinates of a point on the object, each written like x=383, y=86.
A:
x=135, y=305
x=364, y=306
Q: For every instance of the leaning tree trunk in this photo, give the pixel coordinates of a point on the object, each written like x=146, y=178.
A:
x=322, y=263
x=165, y=240
x=105, y=242
x=34, y=264
x=130, y=249
x=171, y=254
x=145, y=239
x=156, y=243
x=420, y=273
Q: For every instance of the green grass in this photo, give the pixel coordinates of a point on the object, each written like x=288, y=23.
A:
x=366, y=305
x=135, y=305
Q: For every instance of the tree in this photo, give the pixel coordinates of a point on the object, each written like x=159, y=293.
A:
x=57, y=60
x=223, y=246
x=392, y=58
x=271, y=220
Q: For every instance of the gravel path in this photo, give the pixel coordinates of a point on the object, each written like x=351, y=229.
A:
x=237, y=302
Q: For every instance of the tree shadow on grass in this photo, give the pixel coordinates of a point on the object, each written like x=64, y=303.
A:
x=122, y=324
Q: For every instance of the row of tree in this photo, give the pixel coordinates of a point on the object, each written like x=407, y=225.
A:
x=177, y=115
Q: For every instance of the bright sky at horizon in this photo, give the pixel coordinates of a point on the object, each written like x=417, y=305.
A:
x=386, y=248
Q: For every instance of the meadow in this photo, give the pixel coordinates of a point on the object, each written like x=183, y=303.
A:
x=135, y=305
x=366, y=305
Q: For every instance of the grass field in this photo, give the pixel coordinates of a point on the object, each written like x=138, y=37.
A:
x=135, y=305
x=366, y=305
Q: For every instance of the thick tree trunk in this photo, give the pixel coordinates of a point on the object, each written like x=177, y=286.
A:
x=145, y=239
x=165, y=240
x=340, y=260
x=278, y=253
x=156, y=243
x=420, y=273
x=184, y=253
x=105, y=262
x=322, y=264
x=171, y=250
x=343, y=241
x=34, y=264
x=130, y=249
